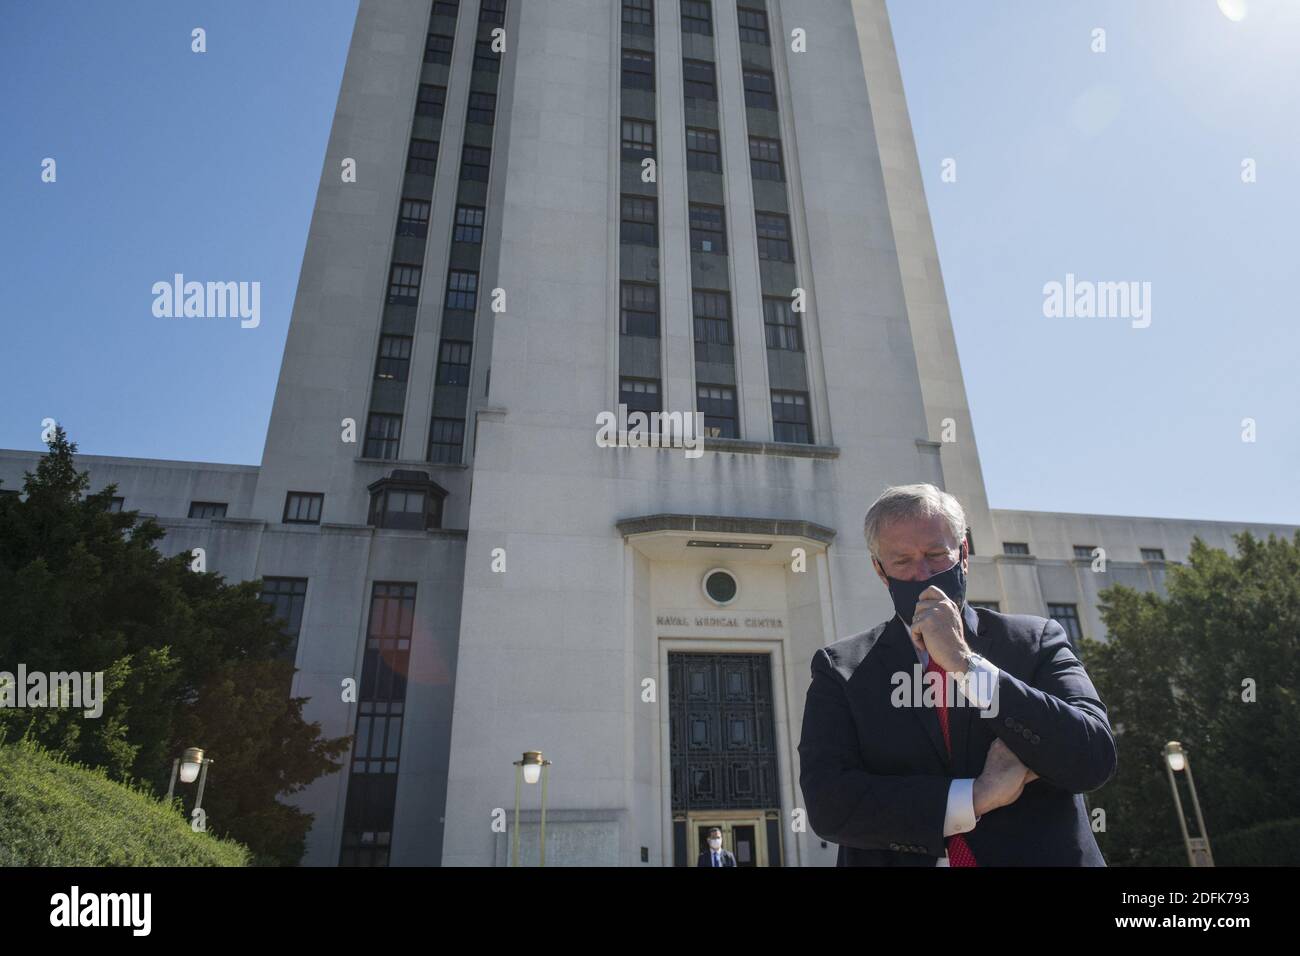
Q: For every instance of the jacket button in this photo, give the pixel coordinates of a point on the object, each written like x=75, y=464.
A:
x=1027, y=733
x=1010, y=722
x=1034, y=739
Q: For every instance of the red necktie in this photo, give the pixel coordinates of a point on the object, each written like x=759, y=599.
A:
x=959, y=851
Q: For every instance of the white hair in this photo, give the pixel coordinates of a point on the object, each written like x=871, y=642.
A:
x=913, y=501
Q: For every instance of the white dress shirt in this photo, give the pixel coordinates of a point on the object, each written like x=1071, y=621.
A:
x=977, y=688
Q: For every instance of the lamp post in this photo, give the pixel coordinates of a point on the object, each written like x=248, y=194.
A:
x=529, y=769
x=191, y=765
x=1198, y=847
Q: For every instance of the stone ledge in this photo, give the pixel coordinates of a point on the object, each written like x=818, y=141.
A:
x=721, y=524
x=743, y=446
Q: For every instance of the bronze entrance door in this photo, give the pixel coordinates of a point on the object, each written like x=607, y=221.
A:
x=723, y=752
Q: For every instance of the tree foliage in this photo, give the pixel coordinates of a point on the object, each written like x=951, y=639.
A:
x=187, y=659
x=1182, y=668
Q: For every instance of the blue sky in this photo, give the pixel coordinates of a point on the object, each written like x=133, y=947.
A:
x=1115, y=166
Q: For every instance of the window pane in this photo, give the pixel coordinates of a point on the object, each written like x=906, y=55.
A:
x=753, y=26
x=702, y=150
x=699, y=80
x=638, y=139
x=638, y=70
x=482, y=108
x=639, y=17
x=760, y=90
x=697, y=17
x=707, y=231
x=639, y=224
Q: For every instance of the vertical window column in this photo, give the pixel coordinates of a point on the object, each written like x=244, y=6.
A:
x=406, y=274
x=452, y=381
x=640, y=329
x=376, y=747
x=787, y=366
x=715, y=347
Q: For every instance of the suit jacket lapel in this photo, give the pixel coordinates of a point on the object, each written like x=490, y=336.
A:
x=900, y=656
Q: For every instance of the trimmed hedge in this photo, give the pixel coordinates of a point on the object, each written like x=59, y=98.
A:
x=56, y=813
x=1275, y=843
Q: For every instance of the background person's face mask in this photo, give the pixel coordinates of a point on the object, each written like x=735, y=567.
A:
x=905, y=594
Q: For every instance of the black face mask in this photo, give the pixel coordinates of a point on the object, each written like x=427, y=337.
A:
x=906, y=593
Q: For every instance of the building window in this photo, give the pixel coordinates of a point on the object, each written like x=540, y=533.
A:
x=639, y=17
x=1015, y=547
x=388, y=636
x=638, y=70
x=701, y=83
x=760, y=90
x=638, y=139
x=413, y=219
x=703, y=153
x=1067, y=615
x=406, y=500
x=115, y=505
x=422, y=157
x=475, y=163
x=790, y=421
x=639, y=394
x=368, y=821
x=697, y=17
x=718, y=403
x=1153, y=554
x=781, y=325
x=287, y=597
x=404, y=284
x=482, y=109
x=437, y=49
x=753, y=26
x=446, y=440
x=1084, y=551
x=207, y=509
x=492, y=11
x=774, y=237
x=485, y=58
x=446, y=8
x=432, y=100
x=302, y=507
x=639, y=314
x=379, y=737
x=383, y=434
x=469, y=224
x=707, y=231
x=394, y=363
x=640, y=222
x=462, y=290
x=453, y=363
x=765, y=159
x=712, y=315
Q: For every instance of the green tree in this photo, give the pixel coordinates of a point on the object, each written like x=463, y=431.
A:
x=187, y=659
x=1181, y=668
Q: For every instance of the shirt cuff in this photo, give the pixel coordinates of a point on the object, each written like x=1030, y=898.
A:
x=980, y=682
x=960, y=815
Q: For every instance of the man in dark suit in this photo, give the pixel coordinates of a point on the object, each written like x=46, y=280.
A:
x=715, y=855
x=950, y=735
